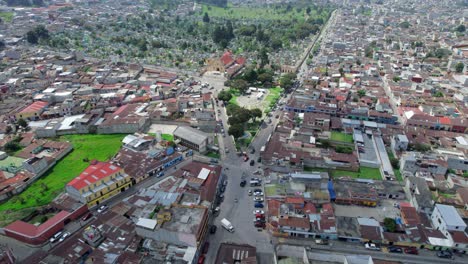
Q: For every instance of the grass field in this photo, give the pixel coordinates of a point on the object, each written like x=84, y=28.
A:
x=273, y=95
x=167, y=137
x=6, y=16
x=342, y=137
x=245, y=12
x=363, y=173
x=100, y=147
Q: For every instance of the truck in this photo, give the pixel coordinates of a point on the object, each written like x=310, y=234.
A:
x=227, y=225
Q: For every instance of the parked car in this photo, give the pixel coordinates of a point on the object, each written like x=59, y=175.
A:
x=261, y=220
x=206, y=246
x=87, y=216
x=256, y=190
x=445, y=254
x=394, y=249
x=252, y=162
x=222, y=189
x=252, y=151
x=258, y=199
x=258, y=205
x=65, y=235
x=258, y=212
x=261, y=216
x=102, y=208
x=259, y=224
x=259, y=159
x=225, y=182
x=250, y=192
x=213, y=229
x=55, y=237
x=371, y=246
x=201, y=259
x=257, y=193
x=411, y=250
x=321, y=241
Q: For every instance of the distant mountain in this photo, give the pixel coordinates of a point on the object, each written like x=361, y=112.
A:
x=25, y=2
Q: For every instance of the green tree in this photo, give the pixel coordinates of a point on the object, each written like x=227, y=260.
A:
x=361, y=93
x=395, y=163
x=396, y=78
x=22, y=123
x=236, y=130
x=459, y=67
x=308, y=10
x=240, y=85
x=250, y=75
x=438, y=94
x=405, y=24
x=232, y=109
x=12, y=146
x=266, y=77
x=389, y=224
x=206, y=18
x=224, y=96
x=422, y=147
x=256, y=113
x=287, y=80
x=460, y=28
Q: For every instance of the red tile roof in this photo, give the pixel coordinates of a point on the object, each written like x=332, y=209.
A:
x=459, y=237
x=227, y=58
x=294, y=200
x=94, y=173
x=295, y=222
x=410, y=215
x=35, y=107
x=29, y=230
x=273, y=207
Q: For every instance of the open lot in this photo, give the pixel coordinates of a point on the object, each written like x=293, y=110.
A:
x=165, y=129
x=342, y=137
x=250, y=101
x=363, y=173
x=379, y=213
x=44, y=190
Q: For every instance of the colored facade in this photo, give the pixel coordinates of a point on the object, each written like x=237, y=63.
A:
x=33, y=111
x=99, y=182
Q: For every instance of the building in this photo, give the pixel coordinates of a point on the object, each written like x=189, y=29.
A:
x=99, y=182
x=69, y=210
x=419, y=194
x=446, y=218
x=193, y=138
x=399, y=143
x=236, y=253
x=33, y=111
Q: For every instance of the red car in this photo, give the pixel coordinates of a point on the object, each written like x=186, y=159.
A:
x=205, y=248
x=411, y=250
x=201, y=259
x=259, y=216
x=260, y=224
x=87, y=216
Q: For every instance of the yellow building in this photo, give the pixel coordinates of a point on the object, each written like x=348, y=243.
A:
x=99, y=182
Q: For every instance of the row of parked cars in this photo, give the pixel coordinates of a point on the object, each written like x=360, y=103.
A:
x=409, y=250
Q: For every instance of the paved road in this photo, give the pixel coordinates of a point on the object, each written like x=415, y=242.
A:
x=336, y=247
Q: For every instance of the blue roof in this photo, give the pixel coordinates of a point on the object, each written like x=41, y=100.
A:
x=331, y=190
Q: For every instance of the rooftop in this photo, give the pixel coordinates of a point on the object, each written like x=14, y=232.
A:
x=94, y=173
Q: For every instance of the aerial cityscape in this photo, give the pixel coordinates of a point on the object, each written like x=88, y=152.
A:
x=234, y=131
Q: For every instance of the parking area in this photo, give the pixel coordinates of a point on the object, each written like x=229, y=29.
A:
x=386, y=209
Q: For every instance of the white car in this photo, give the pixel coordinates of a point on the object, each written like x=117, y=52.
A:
x=258, y=199
x=258, y=193
x=371, y=246
x=55, y=237
x=258, y=212
x=102, y=208
x=65, y=235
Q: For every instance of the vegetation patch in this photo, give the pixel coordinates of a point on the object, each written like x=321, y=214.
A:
x=6, y=16
x=167, y=137
x=44, y=190
x=342, y=137
x=363, y=173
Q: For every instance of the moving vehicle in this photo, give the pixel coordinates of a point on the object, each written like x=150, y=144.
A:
x=243, y=183
x=250, y=192
x=445, y=254
x=227, y=225
x=394, y=249
x=201, y=259
x=371, y=246
x=213, y=229
x=102, y=208
x=55, y=237
x=252, y=162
